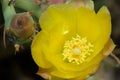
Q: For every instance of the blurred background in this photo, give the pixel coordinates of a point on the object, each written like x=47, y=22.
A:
x=20, y=66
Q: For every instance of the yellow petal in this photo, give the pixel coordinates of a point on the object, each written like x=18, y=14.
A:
x=37, y=50
x=76, y=74
x=58, y=18
x=104, y=11
x=87, y=24
x=96, y=27
x=104, y=20
x=105, y=23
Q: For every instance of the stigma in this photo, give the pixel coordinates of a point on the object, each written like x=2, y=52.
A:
x=77, y=50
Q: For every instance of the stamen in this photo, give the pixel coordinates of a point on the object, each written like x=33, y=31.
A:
x=77, y=49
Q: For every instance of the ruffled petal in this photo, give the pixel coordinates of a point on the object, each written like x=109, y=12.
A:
x=95, y=27
x=73, y=75
x=59, y=18
x=37, y=50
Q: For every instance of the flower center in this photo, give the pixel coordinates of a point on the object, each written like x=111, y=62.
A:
x=77, y=50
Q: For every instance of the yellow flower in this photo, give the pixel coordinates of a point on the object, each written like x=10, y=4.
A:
x=73, y=41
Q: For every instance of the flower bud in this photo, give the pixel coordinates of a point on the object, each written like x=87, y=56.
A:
x=22, y=26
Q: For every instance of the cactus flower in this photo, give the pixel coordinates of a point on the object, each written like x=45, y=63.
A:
x=73, y=41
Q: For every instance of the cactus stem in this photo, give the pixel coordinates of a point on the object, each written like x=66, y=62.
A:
x=31, y=6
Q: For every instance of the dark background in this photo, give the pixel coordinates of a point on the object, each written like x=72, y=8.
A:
x=22, y=67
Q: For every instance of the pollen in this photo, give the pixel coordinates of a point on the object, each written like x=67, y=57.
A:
x=77, y=50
